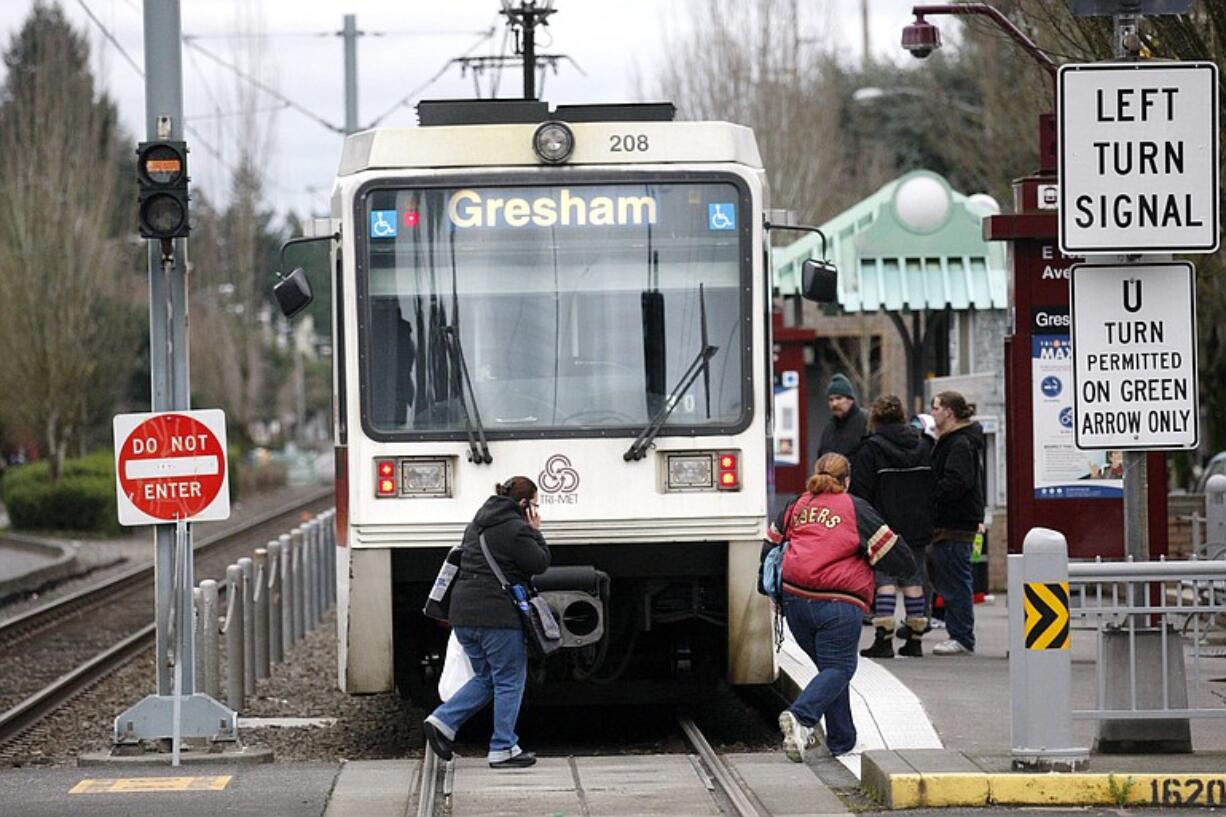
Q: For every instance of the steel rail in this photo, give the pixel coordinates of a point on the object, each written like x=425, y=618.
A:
x=37, y=706
x=719, y=770
x=49, y=698
x=429, y=783
x=11, y=630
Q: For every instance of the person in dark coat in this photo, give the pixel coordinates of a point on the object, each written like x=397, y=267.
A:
x=487, y=623
x=957, y=513
x=848, y=422
x=892, y=470
x=835, y=542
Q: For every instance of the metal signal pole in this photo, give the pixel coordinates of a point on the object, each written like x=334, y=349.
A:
x=350, y=33
x=176, y=711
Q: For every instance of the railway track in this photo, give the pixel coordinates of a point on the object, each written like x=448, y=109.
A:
x=735, y=799
x=50, y=653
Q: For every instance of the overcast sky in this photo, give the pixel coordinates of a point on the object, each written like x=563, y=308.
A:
x=408, y=42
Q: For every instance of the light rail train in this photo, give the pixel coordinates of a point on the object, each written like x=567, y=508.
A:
x=581, y=296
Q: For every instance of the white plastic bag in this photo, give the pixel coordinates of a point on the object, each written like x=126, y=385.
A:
x=457, y=669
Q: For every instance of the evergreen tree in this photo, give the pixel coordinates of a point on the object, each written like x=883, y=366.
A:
x=66, y=323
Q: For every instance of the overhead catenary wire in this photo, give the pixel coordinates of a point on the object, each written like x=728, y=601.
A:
x=111, y=37
x=253, y=81
x=403, y=101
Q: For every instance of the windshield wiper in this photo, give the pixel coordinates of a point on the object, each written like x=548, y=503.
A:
x=638, y=448
x=478, y=449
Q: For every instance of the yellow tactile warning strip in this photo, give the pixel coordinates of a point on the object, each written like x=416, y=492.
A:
x=946, y=789
x=126, y=785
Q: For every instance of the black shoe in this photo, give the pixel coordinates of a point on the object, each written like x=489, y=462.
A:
x=437, y=740
x=520, y=761
x=882, y=646
x=912, y=648
x=905, y=632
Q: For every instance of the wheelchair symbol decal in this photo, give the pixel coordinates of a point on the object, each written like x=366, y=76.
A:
x=721, y=216
x=382, y=223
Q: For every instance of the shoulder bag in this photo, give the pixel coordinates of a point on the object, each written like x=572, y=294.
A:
x=540, y=626
x=438, y=603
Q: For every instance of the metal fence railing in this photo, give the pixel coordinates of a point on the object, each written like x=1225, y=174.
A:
x=1156, y=626
x=272, y=600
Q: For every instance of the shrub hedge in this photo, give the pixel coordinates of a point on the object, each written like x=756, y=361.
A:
x=82, y=500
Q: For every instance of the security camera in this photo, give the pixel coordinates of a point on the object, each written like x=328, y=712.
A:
x=921, y=38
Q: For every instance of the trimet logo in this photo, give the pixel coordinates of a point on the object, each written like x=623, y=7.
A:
x=559, y=481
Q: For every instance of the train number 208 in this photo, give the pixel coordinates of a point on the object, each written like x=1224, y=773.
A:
x=1189, y=791
x=628, y=143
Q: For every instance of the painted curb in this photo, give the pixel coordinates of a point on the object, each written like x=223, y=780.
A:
x=963, y=789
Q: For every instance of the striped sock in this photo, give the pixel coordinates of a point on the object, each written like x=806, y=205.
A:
x=915, y=606
x=884, y=604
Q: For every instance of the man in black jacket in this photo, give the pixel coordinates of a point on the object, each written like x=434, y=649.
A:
x=958, y=500
x=892, y=471
x=487, y=623
x=848, y=422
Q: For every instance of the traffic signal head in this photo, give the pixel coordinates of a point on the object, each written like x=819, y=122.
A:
x=161, y=171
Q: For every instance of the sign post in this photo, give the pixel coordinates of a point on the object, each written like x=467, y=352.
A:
x=171, y=469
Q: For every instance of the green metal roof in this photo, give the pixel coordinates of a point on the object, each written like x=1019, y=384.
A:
x=914, y=244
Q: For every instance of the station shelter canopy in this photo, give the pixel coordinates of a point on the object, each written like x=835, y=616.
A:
x=916, y=244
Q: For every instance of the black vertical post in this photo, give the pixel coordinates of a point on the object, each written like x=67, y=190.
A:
x=529, y=53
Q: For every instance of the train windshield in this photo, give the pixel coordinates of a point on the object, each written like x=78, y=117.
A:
x=576, y=307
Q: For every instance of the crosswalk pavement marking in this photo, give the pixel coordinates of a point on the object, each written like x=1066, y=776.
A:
x=126, y=785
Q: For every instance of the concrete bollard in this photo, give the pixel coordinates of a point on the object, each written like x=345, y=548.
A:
x=275, y=558
x=198, y=625
x=1040, y=661
x=297, y=540
x=260, y=597
x=210, y=645
x=321, y=570
x=310, y=565
x=330, y=546
x=234, y=638
x=1215, y=516
x=287, y=593
x=248, y=568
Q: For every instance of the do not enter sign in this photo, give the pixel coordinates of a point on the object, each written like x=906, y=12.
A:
x=171, y=466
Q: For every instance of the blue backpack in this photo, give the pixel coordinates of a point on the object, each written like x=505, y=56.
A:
x=772, y=571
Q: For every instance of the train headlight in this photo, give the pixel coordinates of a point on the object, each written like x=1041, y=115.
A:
x=553, y=142
x=690, y=472
x=425, y=478
x=413, y=477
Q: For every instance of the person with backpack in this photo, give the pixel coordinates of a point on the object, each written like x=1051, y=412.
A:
x=834, y=540
x=957, y=511
x=488, y=625
x=892, y=470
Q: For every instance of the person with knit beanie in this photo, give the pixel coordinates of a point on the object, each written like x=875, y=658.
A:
x=848, y=422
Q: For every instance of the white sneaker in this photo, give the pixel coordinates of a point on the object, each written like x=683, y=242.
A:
x=952, y=647
x=796, y=736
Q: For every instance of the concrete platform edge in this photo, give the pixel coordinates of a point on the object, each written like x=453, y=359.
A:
x=896, y=784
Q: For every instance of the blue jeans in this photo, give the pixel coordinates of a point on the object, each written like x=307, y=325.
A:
x=829, y=633
x=951, y=562
x=500, y=669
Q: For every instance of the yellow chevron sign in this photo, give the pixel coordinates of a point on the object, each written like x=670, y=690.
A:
x=1047, y=620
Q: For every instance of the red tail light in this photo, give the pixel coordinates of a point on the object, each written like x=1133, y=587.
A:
x=729, y=472
x=385, y=478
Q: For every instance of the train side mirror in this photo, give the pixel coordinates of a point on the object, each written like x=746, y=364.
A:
x=293, y=293
x=819, y=281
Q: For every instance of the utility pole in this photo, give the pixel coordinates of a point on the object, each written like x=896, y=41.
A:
x=176, y=711
x=170, y=379
x=867, y=57
x=350, y=33
x=525, y=18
